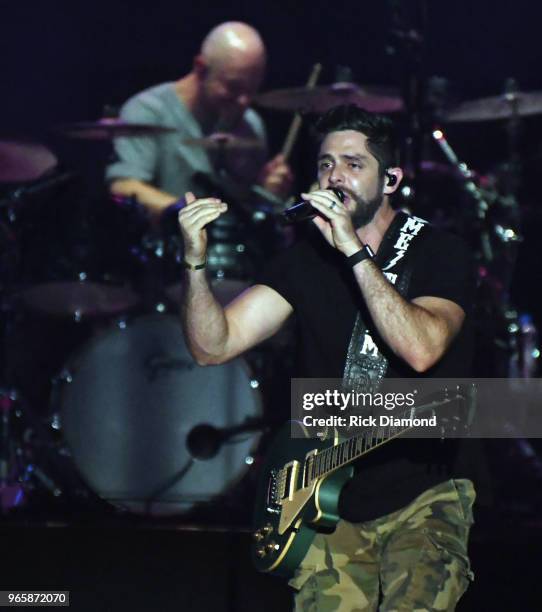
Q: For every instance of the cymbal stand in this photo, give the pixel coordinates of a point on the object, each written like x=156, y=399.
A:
x=482, y=205
x=11, y=447
x=20, y=471
x=408, y=44
x=511, y=184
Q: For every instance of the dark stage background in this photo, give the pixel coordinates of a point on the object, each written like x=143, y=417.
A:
x=66, y=61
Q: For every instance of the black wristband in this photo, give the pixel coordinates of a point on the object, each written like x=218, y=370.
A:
x=189, y=266
x=362, y=254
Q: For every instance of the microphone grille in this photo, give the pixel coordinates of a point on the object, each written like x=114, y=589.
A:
x=338, y=193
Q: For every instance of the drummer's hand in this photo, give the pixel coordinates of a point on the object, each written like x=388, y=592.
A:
x=192, y=220
x=277, y=177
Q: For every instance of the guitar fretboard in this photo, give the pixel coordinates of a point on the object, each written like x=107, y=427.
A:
x=326, y=461
x=341, y=454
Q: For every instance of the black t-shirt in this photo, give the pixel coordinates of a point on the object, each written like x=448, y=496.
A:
x=313, y=278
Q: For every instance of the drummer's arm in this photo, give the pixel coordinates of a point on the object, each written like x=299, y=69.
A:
x=153, y=199
x=215, y=334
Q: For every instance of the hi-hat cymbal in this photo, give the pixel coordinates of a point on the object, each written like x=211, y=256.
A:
x=504, y=106
x=223, y=140
x=320, y=99
x=24, y=161
x=109, y=128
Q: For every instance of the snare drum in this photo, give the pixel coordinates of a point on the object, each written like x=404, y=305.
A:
x=130, y=399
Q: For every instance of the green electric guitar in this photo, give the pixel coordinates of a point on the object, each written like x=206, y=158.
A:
x=301, y=480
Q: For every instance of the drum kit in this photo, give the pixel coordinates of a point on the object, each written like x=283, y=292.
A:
x=144, y=427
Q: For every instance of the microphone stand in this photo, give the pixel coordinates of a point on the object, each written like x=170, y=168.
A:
x=203, y=443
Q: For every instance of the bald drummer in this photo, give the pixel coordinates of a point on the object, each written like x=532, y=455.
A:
x=214, y=97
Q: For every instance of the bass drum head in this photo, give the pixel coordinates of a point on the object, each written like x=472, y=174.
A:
x=133, y=397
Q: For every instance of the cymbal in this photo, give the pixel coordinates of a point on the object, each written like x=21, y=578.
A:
x=223, y=140
x=320, y=99
x=109, y=128
x=24, y=161
x=504, y=106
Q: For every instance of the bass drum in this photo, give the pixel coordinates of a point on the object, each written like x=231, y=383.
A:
x=128, y=404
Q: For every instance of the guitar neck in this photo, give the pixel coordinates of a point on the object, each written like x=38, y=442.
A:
x=326, y=461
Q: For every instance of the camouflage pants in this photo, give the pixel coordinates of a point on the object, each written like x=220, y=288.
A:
x=413, y=560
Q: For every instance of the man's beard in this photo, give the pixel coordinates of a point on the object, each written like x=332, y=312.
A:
x=365, y=210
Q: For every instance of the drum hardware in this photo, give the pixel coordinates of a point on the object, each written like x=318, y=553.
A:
x=109, y=128
x=268, y=203
x=499, y=215
x=407, y=44
x=52, y=281
x=505, y=235
x=20, y=471
x=204, y=442
x=16, y=202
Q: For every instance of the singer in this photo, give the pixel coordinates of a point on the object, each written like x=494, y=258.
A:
x=376, y=293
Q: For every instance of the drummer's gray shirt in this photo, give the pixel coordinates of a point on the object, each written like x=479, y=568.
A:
x=164, y=161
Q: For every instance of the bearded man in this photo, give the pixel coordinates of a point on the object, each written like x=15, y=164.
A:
x=380, y=294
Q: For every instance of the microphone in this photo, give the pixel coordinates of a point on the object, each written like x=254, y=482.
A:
x=304, y=210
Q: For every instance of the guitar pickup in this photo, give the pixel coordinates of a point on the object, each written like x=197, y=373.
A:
x=272, y=504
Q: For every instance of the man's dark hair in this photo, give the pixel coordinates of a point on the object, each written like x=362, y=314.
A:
x=379, y=129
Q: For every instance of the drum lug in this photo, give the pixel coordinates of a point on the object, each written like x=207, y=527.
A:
x=55, y=422
x=65, y=376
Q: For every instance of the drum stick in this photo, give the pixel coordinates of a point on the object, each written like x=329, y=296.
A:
x=295, y=126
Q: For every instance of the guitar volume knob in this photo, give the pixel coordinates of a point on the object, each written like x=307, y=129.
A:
x=271, y=547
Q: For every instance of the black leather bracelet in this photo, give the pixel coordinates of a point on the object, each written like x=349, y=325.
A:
x=364, y=253
x=200, y=266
